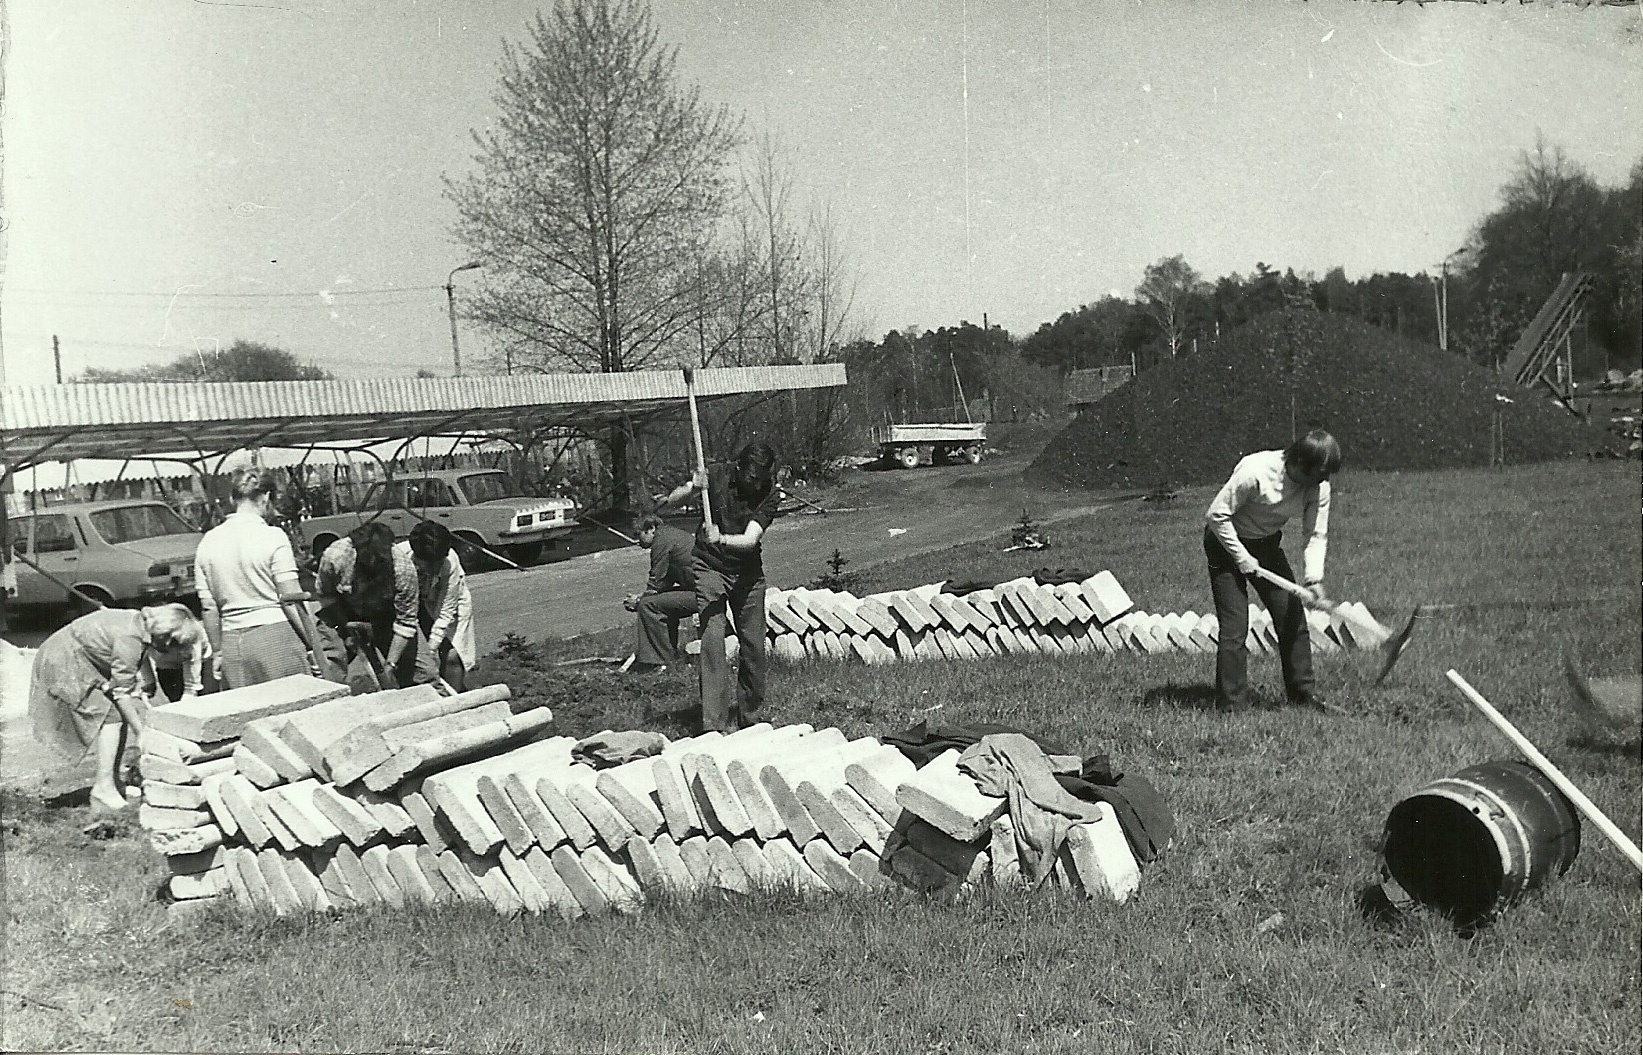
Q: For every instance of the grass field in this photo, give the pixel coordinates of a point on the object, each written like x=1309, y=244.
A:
x=1245, y=937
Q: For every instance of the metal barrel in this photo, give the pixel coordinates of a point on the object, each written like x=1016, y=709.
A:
x=1471, y=844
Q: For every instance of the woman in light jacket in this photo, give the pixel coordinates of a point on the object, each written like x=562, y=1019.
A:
x=444, y=607
x=91, y=682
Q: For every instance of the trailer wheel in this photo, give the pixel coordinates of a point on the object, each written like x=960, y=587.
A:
x=908, y=457
x=321, y=544
x=973, y=454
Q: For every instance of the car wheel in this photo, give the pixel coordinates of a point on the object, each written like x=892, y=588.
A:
x=525, y=553
x=973, y=454
x=79, y=605
x=469, y=551
x=908, y=457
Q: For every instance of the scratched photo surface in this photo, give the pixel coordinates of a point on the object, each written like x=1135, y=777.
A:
x=182, y=175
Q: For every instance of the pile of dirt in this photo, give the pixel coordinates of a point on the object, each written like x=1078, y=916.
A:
x=1391, y=405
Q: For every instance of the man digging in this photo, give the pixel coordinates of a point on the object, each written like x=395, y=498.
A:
x=1244, y=533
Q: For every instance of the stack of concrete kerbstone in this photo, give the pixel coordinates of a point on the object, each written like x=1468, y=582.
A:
x=239, y=784
x=401, y=798
x=1019, y=616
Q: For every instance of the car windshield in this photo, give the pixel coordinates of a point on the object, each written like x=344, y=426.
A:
x=488, y=487
x=131, y=523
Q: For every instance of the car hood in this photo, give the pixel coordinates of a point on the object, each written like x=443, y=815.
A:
x=165, y=549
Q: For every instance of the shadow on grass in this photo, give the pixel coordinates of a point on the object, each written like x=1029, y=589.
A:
x=1608, y=747
x=1188, y=697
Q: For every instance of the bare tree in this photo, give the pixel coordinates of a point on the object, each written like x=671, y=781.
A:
x=597, y=192
x=769, y=190
x=832, y=322
x=1165, y=289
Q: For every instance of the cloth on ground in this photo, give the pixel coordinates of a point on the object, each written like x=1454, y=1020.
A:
x=603, y=750
x=1059, y=576
x=1011, y=766
x=924, y=742
x=1146, y=819
x=964, y=586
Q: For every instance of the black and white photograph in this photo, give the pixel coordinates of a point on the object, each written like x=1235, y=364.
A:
x=839, y=526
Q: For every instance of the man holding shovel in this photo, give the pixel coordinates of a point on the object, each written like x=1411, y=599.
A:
x=1243, y=539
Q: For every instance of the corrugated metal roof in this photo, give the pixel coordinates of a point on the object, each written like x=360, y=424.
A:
x=60, y=422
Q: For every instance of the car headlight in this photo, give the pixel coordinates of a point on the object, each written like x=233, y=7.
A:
x=522, y=520
x=159, y=571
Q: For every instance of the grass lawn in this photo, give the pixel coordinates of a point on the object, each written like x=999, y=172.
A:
x=1245, y=937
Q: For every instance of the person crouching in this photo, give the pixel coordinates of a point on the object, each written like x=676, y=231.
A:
x=669, y=595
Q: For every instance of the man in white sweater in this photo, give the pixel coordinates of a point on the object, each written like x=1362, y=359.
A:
x=1244, y=531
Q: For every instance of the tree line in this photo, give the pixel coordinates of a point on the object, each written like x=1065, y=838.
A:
x=1553, y=218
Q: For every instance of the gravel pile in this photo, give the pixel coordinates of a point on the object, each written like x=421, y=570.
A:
x=1392, y=407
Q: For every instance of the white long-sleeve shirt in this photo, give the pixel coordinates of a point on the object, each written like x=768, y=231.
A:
x=1258, y=500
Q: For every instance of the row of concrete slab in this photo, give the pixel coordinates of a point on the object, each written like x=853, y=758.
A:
x=1021, y=616
x=764, y=806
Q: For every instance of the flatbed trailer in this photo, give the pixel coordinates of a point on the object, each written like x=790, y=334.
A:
x=931, y=444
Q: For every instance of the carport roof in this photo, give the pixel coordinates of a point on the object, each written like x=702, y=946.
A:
x=63, y=422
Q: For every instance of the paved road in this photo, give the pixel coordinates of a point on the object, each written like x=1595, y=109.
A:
x=888, y=515
x=881, y=516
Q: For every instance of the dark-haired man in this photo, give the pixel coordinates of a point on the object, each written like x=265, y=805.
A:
x=1243, y=532
x=669, y=595
x=444, y=607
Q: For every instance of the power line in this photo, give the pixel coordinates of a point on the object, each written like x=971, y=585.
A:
x=320, y=294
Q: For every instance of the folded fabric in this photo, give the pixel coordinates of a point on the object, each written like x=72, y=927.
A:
x=1012, y=767
x=1059, y=576
x=1146, y=819
x=612, y=749
x=924, y=741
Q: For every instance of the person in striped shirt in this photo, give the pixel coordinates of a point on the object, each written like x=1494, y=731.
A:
x=1243, y=531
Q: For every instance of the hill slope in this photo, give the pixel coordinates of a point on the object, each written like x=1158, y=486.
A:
x=1189, y=421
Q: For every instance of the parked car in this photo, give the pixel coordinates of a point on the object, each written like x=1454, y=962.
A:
x=121, y=552
x=481, y=507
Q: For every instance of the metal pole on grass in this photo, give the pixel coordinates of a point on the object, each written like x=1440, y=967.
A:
x=1555, y=775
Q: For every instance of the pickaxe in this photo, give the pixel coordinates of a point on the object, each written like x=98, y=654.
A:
x=1364, y=626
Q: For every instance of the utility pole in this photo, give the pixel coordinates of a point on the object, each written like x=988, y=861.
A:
x=450, y=308
x=57, y=357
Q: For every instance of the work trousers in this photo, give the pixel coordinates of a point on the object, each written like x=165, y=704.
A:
x=341, y=653
x=659, y=615
x=442, y=662
x=1228, y=586
x=726, y=706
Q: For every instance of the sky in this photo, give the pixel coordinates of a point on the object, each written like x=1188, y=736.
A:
x=179, y=174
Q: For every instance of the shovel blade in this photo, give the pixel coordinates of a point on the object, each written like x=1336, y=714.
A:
x=1394, y=646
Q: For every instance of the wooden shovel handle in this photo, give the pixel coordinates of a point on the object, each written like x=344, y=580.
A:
x=1284, y=584
x=696, y=434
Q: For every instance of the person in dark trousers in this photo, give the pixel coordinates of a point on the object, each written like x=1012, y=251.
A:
x=729, y=570
x=364, y=577
x=1243, y=532
x=669, y=595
